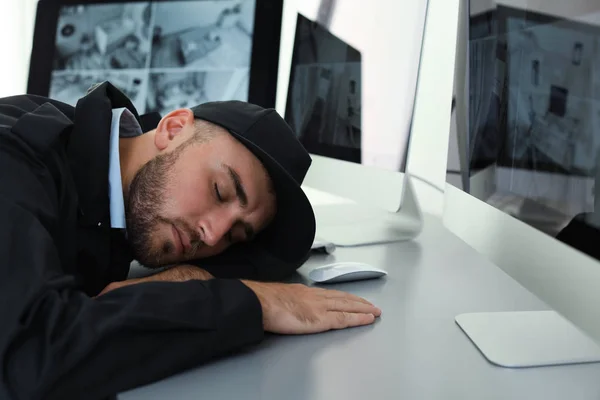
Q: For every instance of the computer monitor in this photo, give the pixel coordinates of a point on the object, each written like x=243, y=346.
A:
x=522, y=66
x=324, y=94
x=347, y=84
x=550, y=153
x=531, y=145
x=162, y=54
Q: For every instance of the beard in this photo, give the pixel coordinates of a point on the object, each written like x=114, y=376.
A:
x=145, y=196
x=146, y=193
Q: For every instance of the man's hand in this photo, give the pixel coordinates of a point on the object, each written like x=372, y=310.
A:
x=179, y=273
x=299, y=309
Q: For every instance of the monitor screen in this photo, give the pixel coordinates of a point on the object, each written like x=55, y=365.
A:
x=484, y=119
x=162, y=54
x=534, y=122
x=324, y=93
x=552, y=111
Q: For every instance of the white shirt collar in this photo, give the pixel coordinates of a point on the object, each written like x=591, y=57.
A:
x=124, y=124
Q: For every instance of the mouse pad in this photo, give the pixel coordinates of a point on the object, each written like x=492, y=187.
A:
x=528, y=338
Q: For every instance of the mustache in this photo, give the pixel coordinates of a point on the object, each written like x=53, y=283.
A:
x=196, y=245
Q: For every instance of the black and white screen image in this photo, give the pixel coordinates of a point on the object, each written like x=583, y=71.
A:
x=324, y=96
x=170, y=90
x=534, y=118
x=163, y=55
x=553, y=104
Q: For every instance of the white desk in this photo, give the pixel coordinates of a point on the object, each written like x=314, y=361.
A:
x=415, y=351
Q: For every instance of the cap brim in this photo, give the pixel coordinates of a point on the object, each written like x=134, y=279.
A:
x=290, y=235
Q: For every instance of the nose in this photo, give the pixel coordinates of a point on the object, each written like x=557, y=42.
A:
x=215, y=226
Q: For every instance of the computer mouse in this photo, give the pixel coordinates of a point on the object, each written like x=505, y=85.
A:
x=345, y=272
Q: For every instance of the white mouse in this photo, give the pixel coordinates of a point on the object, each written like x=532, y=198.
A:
x=345, y=272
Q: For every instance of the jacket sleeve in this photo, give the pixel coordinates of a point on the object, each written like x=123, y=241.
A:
x=58, y=343
x=582, y=235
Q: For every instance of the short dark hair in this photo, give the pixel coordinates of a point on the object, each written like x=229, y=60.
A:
x=205, y=131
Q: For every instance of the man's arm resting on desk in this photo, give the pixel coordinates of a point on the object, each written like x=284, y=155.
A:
x=286, y=308
x=179, y=273
x=57, y=343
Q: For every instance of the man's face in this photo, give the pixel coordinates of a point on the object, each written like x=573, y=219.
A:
x=194, y=200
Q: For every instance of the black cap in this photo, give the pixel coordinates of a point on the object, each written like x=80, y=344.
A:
x=290, y=234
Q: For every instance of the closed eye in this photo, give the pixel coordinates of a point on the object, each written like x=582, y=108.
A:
x=218, y=193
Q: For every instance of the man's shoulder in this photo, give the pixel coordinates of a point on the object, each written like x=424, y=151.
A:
x=36, y=120
x=14, y=107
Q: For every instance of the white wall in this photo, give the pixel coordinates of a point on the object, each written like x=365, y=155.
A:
x=567, y=280
x=16, y=34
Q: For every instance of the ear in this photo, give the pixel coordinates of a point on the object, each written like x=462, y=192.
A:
x=173, y=128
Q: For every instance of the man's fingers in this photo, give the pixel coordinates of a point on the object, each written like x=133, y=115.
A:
x=343, y=320
x=335, y=294
x=351, y=306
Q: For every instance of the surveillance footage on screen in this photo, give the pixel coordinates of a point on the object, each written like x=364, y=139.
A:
x=554, y=108
x=162, y=55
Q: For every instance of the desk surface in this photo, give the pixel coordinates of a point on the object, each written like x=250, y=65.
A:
x=415, y=350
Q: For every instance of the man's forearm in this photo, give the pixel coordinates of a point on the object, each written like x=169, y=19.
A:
x=179, y=273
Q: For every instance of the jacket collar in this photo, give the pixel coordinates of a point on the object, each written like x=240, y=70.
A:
x=88, y=151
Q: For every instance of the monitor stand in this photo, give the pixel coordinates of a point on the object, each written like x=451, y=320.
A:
x=352, y=224
x=528, y=339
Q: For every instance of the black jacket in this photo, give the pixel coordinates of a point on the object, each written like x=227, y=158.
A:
x=57, y=250
x=582, y=235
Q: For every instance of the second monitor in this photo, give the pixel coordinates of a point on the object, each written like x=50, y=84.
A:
x=350, y=97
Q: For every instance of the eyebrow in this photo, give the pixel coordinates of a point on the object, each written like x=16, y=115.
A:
x=240, y=192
